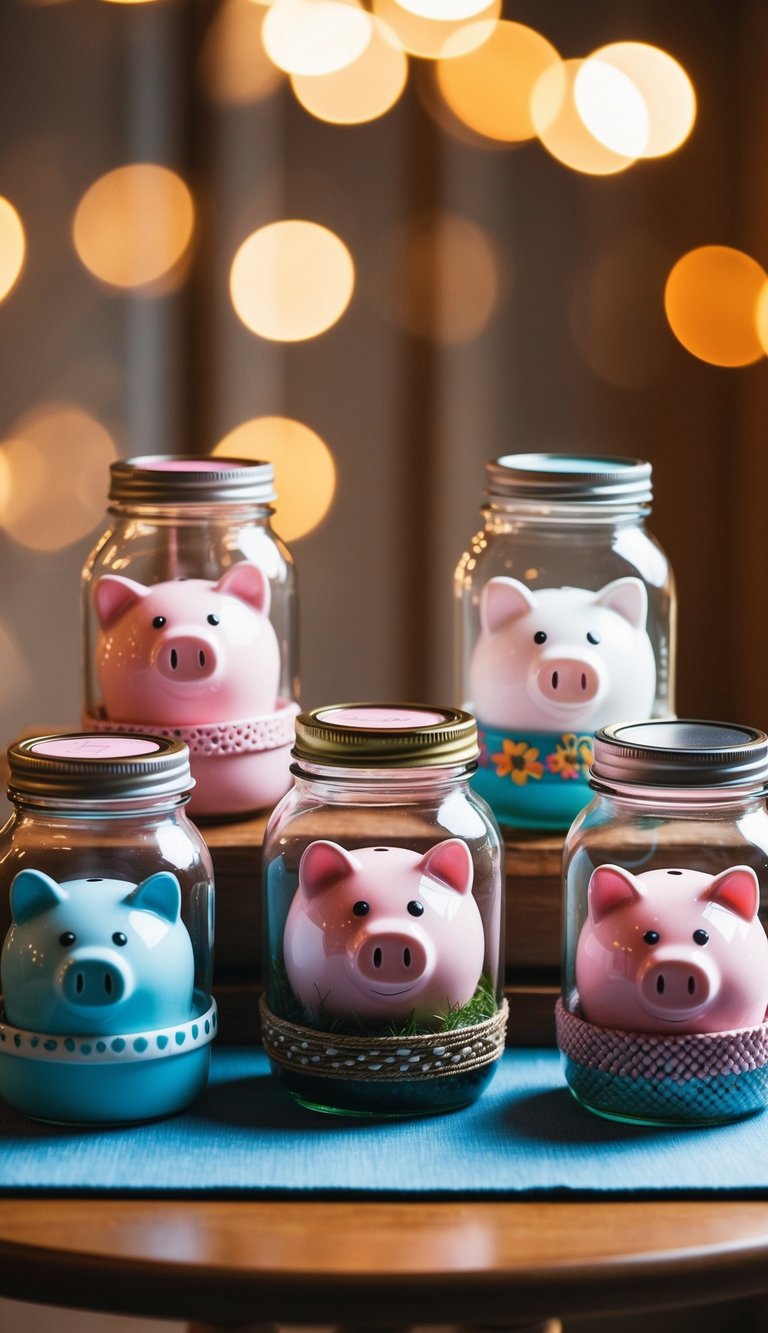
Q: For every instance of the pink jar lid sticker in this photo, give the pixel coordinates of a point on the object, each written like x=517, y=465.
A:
x=95, y=747
x=392, y=718
x=153, y=464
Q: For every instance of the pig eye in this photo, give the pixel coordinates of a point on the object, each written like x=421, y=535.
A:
x=700, y=937
x=592, y=637
x=119, y=938
x=212, y=619
x=416, y=908
x=651, y=937
x=158, y=622
x=361, y=909
x=540, y=636
x=67, y=939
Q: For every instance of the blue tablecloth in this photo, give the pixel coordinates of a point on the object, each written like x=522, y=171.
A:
x=526, y=1136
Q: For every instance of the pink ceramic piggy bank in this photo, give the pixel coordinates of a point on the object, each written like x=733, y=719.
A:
x=562, y=658
x=188, y=650
x=382, y=933
x=673, y=951
x=200, y=661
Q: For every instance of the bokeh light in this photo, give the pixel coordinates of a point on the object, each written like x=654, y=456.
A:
x=490, y=89
x=305, y=475
x=711, y=300
x=439, y=277
x=364, y=89
x=234, y=67
x=665, y=87
x=561, y=128
x=315, y=36
x=761, y=317
x=12, y=247
x=56, y=459
x=433, y=39
x=450, y=11
x=291, y=280
x=134, y=225
x=612, y=108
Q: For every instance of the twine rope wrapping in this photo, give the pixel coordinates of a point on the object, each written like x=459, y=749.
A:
x=659, y=1056
x=384, y=1059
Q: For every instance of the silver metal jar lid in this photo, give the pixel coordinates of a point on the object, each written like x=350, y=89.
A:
x=679, y=753
x=574, y=478
x=83, y=766
x=181, y=480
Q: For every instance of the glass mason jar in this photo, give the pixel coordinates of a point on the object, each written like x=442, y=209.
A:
x=189, y=621
x=383, y=904
x=106, y=895
x=565, y=621
x=665, y=966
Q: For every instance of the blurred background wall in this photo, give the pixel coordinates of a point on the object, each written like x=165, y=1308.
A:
x=481, y=290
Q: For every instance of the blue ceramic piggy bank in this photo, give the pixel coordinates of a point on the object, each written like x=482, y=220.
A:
x=96, y=955
x=102, y=1020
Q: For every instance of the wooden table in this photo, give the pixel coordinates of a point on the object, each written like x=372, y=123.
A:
x=379, y=1264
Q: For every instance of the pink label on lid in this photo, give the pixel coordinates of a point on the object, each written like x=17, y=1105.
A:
x=150, y=464
x=95, y=747
x=392, y=718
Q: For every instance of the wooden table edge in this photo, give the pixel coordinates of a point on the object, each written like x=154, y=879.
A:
x=378, y=1262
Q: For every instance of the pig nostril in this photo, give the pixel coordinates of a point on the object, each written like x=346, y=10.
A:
x=407, y=957
x=79, y=983
x=554, y=680
x=583, y=680
x=377, y=957
x=660, y=985
x=201, y=658
x=691, y=985
x=174, y=659
x=108, y=983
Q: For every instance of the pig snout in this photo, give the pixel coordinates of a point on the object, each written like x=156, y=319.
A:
x=567, y=680
x=389, y=959
x=91, y=979
x=188, y=657
x=675, y=985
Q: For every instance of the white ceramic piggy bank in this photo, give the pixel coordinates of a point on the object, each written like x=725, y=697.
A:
x=381, y=933
x=562, y=658
x=548, y=669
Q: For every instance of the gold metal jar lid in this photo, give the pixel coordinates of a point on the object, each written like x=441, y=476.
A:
x=83, y=766
x=373, y=735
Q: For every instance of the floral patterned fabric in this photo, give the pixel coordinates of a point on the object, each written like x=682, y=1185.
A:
x=532, y=778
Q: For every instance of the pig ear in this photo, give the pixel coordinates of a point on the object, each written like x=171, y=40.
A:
x=323, y=864
x=33, y=893
x=610, y=887
x=451, y=863
x=503, y=600
x=628, y=598
x=738, y=890
x=159, y=894
x=112, y=595
x=247, y=582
